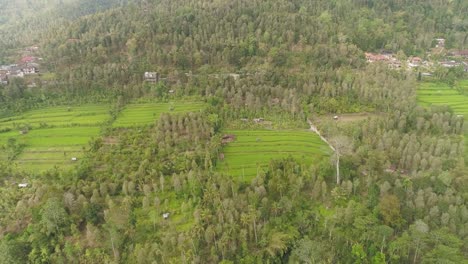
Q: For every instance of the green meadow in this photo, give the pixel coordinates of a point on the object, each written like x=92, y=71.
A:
x=434, y=93
x=138, y=114
x=56, y=135
x=252, y=150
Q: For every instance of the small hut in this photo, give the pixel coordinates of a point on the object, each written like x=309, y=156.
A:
x=228, y=138
x=258, y=120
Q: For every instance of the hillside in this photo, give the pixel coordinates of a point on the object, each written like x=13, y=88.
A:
x=180, y=131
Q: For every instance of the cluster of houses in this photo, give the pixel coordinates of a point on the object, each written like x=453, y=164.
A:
x=453, y=58
x=28, y=65
x=385, y=57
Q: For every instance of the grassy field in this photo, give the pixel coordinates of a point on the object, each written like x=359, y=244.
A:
x=432, y=93
x=252, y=150
x=138, y=114
x=57, y=135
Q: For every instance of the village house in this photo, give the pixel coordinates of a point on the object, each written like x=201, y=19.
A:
x=258, y=120
x=414, y=62
x=30, y=70
x=15, y=74
x=459, y=53
x=8, y=67
x=440, y=43
x=27, y=59
x=373, y=57
x=449, y=64
x=151, y=76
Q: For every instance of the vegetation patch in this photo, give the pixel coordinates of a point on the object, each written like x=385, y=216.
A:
x=139, y=114
x=437, y=93
x=251, y=150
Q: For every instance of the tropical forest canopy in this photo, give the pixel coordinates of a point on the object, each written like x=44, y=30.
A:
x=152, y=182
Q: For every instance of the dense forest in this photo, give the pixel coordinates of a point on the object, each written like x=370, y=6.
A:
x=401, y=196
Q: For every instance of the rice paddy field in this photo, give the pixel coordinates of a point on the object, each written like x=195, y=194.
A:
x=86, y=115
x=139, y=114
x=252, y=150
x=433, y=93
x=56, y=135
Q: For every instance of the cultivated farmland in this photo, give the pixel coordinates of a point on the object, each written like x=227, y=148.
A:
x=54, y=135
x=431, y=93
x=86, y=115
x=138, y=114
x=252, y=150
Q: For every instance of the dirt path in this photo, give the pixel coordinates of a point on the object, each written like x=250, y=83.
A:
x=314, y=129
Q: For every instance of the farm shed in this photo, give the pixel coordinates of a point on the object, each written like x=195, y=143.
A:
x=151, y=76
x=228, y=138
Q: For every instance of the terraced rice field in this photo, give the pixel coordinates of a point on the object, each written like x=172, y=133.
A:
x=432, y=93
x=139, y=114
x=86, y=115
x=57, y=134
x=252, y=150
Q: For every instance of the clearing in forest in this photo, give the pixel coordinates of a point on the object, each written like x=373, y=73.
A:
x=252, y=150
x=434, y=93
x=41, y=139
x=139, y=114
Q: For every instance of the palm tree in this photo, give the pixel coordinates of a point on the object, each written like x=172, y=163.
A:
x=277, y=244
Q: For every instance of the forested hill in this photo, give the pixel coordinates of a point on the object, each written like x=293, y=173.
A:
x=115, y=47
x=22, y=22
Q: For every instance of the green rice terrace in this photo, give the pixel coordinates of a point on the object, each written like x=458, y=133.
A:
x=248, y=151
x=55, y=136
x=137, y=114
x=432, y=93
x=40, y=139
